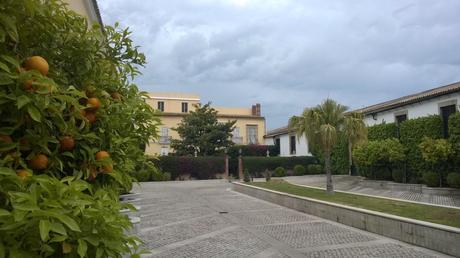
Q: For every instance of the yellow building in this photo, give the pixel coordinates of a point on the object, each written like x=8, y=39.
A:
x=86, y=8
x=249, y=127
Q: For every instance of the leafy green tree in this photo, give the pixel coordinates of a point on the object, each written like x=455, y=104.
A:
x=66, y=147
x=386, y=154
x=322, y=125
x=436, y=152
x=355, y=131
x=201, y=132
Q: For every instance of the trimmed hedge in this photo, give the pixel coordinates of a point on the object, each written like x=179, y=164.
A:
x=299, y=170
x=412, y=132
x=279, y=172
x=253, y=150
x=382, y=132
x=454, y=135
x=339, y=156
x=195, y=167
x=257, y=165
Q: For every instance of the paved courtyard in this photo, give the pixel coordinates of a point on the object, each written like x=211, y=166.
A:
x=207, y=219
x=352, y=184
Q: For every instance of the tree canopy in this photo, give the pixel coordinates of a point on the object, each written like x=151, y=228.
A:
x=200, y=131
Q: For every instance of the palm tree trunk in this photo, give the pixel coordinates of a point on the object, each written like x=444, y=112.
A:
x=350, y=158
x=327, y=161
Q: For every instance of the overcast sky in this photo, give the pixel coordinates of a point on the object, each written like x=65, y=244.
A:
x=288, y=55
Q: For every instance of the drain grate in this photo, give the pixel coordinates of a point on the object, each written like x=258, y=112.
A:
x=223, y=212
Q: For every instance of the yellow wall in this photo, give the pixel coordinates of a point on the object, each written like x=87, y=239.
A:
x=85, y=8
x=172, y=116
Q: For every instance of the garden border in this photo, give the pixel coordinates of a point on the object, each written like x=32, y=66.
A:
x=437, y=237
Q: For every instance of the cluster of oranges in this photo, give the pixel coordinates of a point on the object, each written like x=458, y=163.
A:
x=67, y=142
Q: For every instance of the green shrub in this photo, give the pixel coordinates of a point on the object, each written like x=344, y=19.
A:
x=314, y=169
x=299, y=170
x=431, y=179
x=382, y=132
x=279, y=172
x=398, y=175
x=453, y=180
x=197, y=167
x=142, y=176
x=246, y=176
x=412, y=132
x=259, y=164
x=166, y=176
x=339, y=157
x=454, y=135
x=268, y=175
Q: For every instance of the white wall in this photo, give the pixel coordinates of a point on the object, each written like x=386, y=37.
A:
x=420, y=109
x=301, y=145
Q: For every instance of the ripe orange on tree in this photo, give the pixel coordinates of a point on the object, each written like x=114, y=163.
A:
x=102, y=154
x=23, y=173
x=67, y=143
x=39, y=161
x=95, y=103
x=91, y=116
x=37, y=63
x=5, y=138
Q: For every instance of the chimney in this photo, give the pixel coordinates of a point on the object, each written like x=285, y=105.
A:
x=253, y=110
x=257, y=109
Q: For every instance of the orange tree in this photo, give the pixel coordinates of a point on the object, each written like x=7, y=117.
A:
x=71, y=124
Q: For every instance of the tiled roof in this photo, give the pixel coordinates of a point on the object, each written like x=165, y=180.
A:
x=278, y=131
x=410, y=99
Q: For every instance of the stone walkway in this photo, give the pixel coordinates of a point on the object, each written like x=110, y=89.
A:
x=207, y=219
x=352, y=184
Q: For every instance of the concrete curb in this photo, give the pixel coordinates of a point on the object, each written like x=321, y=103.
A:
x=437, y=237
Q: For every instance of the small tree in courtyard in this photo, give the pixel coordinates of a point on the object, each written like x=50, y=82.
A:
x=436, y=152
x=321, y=125
x=201, y=133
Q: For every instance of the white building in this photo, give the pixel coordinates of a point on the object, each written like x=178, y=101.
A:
x=288, y=141
x=441, y=101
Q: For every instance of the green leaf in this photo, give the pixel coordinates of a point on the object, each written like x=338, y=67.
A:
x=34, y=113
x=22, y=101
x=10, y=27
x=4, y=67
x=82, y=247
x=5, y=79
x=44, y=227
x=7, y=171
x=58, y=228
x=58, y=239
x=10, y=60
x=4, y=212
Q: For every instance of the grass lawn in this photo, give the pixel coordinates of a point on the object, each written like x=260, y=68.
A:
x=434, y=214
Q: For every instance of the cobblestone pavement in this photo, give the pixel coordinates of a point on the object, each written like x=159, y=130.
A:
x=352, y=184
x=207, y=219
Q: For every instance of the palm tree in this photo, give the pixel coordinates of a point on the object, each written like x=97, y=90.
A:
x=356, y=132
x=321, y=125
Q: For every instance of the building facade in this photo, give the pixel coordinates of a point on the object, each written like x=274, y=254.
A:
x=249, y=127
x=86, y=8
x=441, y=101
x=288, y=142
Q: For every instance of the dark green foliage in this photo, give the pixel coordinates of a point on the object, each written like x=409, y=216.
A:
x=279, y=172
x=201, y=132
x=454, y=135
x=299, y=170
x=398, y=175
x=382, y=132
x=340, y=156
x=431, y=179
x=453, y=180
x=412, y=132
x=314, y=169
x=252, y=150
x=259, y=164
x=196, y=167
x=142, y=176
x=246, y=176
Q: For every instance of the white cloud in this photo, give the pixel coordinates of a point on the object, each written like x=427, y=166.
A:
x=291, y=54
